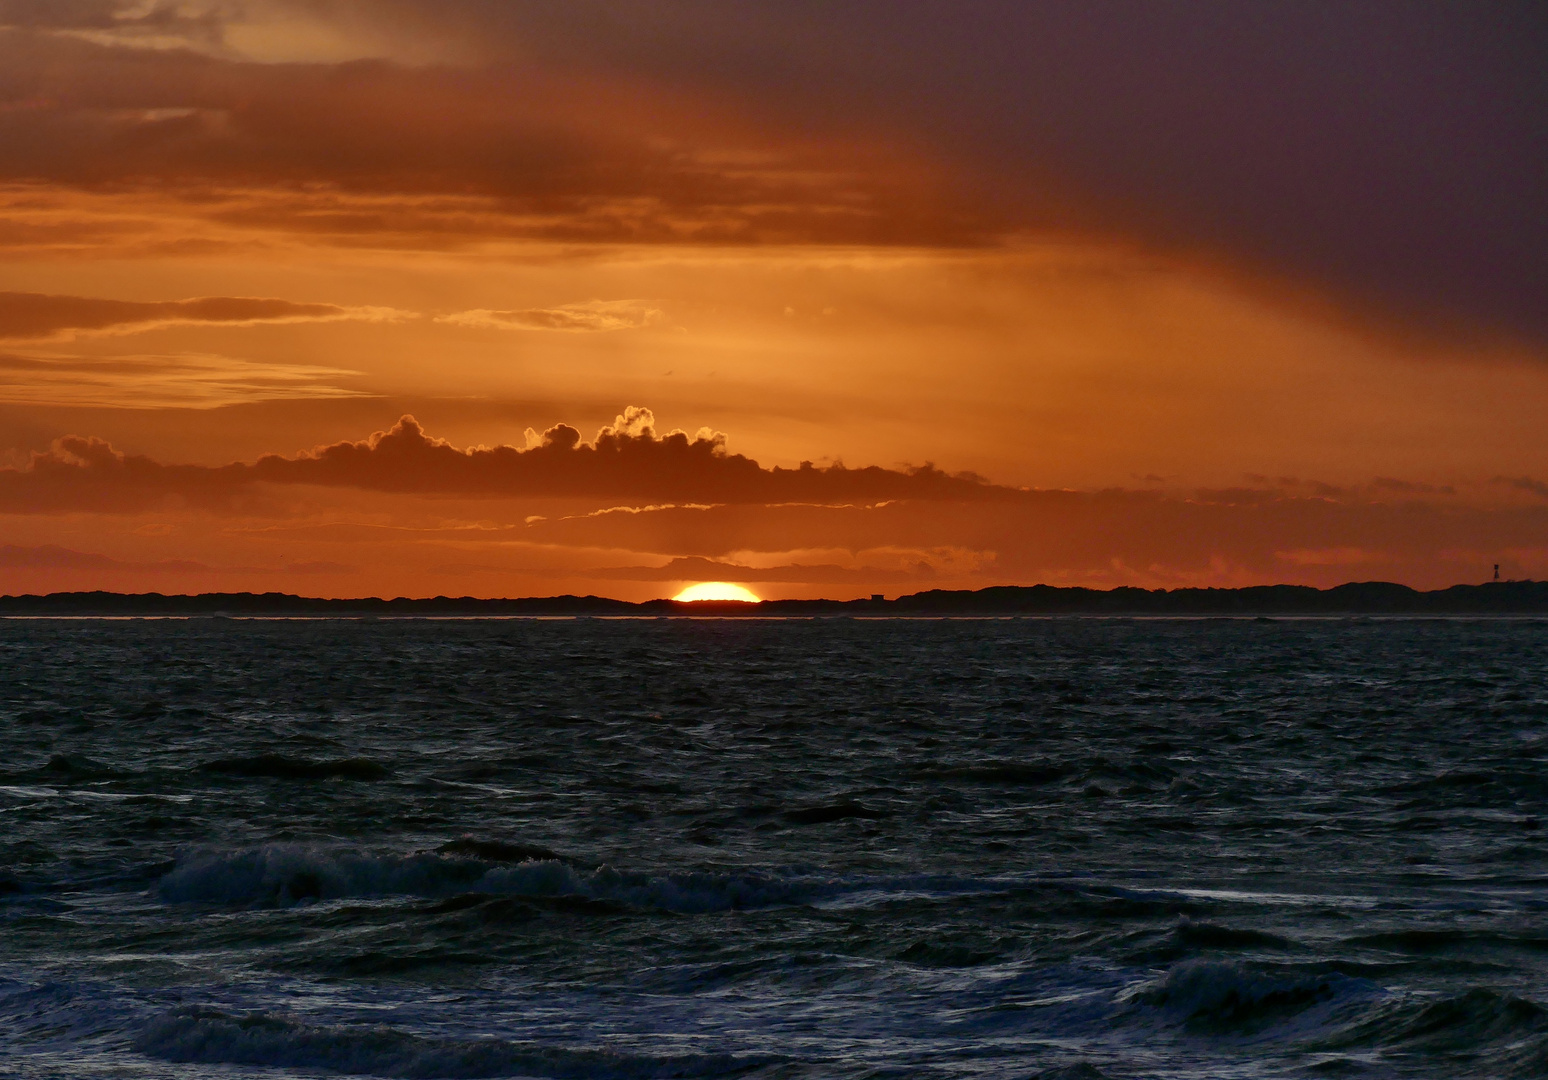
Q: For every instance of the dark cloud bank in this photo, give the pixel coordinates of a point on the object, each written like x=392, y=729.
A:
x=627, y=460
x=689, y=499
x=435, y=156
x=1394, y=150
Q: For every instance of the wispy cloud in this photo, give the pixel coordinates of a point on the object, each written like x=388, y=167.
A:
x=40, y=316
x=1526, y=484
x=56, y=557
x=698, y=568
x=188, y=381
x=590, y=317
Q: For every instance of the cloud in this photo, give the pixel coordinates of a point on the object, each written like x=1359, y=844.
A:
x=592, y=316
x=1526, y=484
x=1409, y=487
x=380, y=153
x=185, y=381
x=697, y=511
x=131, y=22
x=38, y=316
x=626, y=459
x=54, y=557
x=57, y=558
x=1098, y=538
x=698, y=568
x=1341, y=556
x=1413, y=182
x=646, y=506
x=1249, y=130
x=318, y=566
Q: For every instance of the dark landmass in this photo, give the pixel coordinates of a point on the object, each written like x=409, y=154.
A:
x=1355, y=598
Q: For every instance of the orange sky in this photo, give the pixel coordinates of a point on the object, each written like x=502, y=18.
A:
x=236, y=240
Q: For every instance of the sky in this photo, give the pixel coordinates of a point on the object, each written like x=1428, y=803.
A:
x=509, y=298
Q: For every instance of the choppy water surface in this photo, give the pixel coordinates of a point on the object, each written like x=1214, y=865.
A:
x=670, y=848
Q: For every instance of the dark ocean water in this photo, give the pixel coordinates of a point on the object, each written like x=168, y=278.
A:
x=670, y=848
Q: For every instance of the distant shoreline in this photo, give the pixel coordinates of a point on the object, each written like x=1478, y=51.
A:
x=1355, y=598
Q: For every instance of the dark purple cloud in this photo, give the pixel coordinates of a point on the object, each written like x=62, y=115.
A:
x=1393, y=148
x=1395, y=151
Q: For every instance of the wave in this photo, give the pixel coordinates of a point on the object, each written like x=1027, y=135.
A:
x=285, y=873
x=840, y=811
x=1007, y=773
x=1079, y=1071
x=207, y=1036
x=504, y=851
x=1484, y=1031
x=1190, y=937
x=63, y=769
x=1434, y=941
x=1220, y=995
x=79, y=767
x=1004, y=773
x=55, y=1012
x=1505, y=776
x=280, y=767
x=1462, y=1022
x=281, y=874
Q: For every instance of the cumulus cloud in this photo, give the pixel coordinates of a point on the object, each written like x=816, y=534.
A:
x=591, y=316
x=697, y=510
x=39, y=316
x=626, y=459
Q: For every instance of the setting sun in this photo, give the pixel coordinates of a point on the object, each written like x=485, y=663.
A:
x=718, y=590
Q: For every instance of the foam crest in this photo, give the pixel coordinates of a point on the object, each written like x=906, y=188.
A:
x=206, y=1036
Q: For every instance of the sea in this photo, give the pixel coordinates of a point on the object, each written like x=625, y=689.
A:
x=620, y=849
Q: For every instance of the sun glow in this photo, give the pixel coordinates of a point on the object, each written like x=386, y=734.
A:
x=718, y=590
